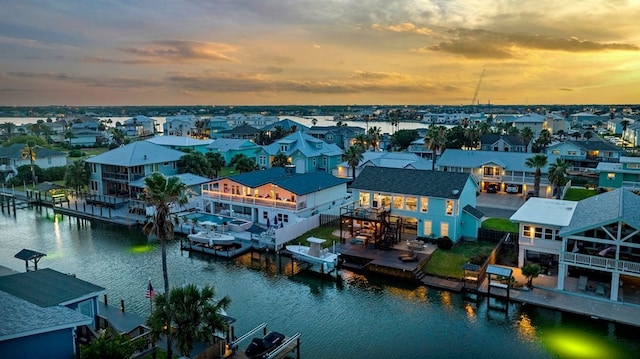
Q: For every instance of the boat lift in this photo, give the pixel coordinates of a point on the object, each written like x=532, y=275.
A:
x=234, y=343
x=288, y=345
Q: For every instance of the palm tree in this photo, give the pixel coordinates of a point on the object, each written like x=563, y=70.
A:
x=194, y=316
x=77, y=175
x=361, y=141
x=243, y=163
x=544, y=139
x=8, y=129
x=587, y=135
x=216, y=160
x=558, y=175
x=624, y=123
x=353, y=156
x=262, y=138
x=576, y=135
x=314, y=121
x=118, y=135
x=538, y=161
x=526, y=135
x=29, y=151
x=374, y=133
x=513, y=131
x=278, y=132
x=160, y=191
x=435, y=139
x=395, y=120
x=280, y=160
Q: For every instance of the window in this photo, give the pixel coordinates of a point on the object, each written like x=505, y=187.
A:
x=412, y=203
x=424, y=204
x=364, y=199
x=398, y=202
x=526, y=231
x=488, y=171
x=265, y=215
x=555, y=152
x=324, y=161
x=314, y=162
x=449, y=207
x=165, y=164
x=611, y=175
x=86, y=308
x=283, y=217
x=571, y=153
x=262, y=160
x=444, y=229
x=284, y=148
x=428, y=231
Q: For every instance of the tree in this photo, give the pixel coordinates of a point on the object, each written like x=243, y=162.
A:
x=513, y=131
x=531, y=271
x=361, y=141
x=375, y=133
x=280, y=160
x=193, y=314
x=587, y=135
x=77, y=175
x=576, y=135
x=196, y=163
x=118, y=135
x=262, y=138
x=558, y=175
x=395, y=120
x=242, y=163
x=526, y=135
x=314, y=121
x=159, y=191
x=435, y=139
x=8, y=128
x=109, y=344
x=544, y=139
x=29, y=151
x=216, y=161
x=353, y=156
x=538, y=161
x=624, y=123
x=278, y=132
x=402, y=139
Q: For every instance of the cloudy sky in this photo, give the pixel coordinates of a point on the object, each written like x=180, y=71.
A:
x=255, y=52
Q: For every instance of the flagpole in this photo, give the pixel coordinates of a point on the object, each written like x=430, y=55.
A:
x=151, y=295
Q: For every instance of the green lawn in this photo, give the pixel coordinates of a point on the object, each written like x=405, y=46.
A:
x=320, y=232
x=577, y=194
x=449, y=263
x=500, y=224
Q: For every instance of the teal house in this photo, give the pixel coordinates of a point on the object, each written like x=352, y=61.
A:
x=428, y=204
x=230, y=147
x=625, y=174
x=307, y=153
x=181, y=143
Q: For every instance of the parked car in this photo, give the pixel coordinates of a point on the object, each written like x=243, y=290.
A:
x=512, y=188
x=492, y=188
x=531, y=194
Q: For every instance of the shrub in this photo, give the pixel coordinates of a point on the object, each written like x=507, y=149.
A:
x=75, y=153
x=445, y=243
x=479, y=258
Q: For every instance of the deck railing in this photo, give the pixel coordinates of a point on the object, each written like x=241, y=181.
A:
x=259, y=201
x=598, y=262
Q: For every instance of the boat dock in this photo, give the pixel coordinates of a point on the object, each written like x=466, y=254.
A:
x=288, y=345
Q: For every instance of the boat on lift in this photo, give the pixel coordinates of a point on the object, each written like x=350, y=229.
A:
x=321, y=260
x=259, y=347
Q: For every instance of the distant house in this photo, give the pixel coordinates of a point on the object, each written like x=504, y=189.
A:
x=535, y=122
x=139, y=126
x=192, y=181
x=112, y=171
x=307, y=153
x=243, y=132
x=587, y=119
x=496, y=168
x=217, y=124
x=86, y=138
x=419, y=147
x=11, y=158
x=229, y=148
x=343, y=136
x=181, y=143
x=585, y=154
x=427, y=203
x=503, y=143
x=383, y=159
x=625, y=174
x=556, y=122
x=253, y=120
x=180, y=125
x=41, y=312
x=280, y=193
x=632, y=134
x=287, y=124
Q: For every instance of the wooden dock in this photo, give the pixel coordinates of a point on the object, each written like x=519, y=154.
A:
x=388, y=262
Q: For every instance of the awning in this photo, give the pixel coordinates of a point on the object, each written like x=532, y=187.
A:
x=499, y=270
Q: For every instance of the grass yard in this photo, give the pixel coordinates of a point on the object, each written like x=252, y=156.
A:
x=449, y=263
x=577, y=194
x=500, y=224
x=320, y=232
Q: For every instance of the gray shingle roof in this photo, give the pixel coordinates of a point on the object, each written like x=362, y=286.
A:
x=512, y=140
x=512, y=161
x=411, y=182
x=136, y=154
x=298, y=183
x=21, y=318
x=608, y=207
x=47, y=287
x=473, y=211
x=178, y=141
x=15, y=151
x=305, y=144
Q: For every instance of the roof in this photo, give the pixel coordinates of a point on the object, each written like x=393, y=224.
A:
x=229, y=144
x=21, y=318
x=530, y=118
x=47, y=287
x=473, y=211
x=182, y=141
x=305, y=144
x=619, y=204
x=499, y=270
x=189, y=179
x=15, y=151
x=138, y=119
x=240, y=130
x=512, y=140
x=512, y=161
x=136, y=154
x=286, y=124
x=28, y=254
x=597, y=144
x=411, y=182
x=298, y=183
x=545, y=211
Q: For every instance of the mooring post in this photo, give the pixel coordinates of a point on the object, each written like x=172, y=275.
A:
x=105, y=299
x=122, y=305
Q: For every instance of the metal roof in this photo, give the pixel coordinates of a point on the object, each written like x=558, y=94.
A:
x=298, y=183
x=512, y=161
x=499, y=270
x=136, y=154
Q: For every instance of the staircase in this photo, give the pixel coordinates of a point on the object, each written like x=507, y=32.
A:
x=418, y=274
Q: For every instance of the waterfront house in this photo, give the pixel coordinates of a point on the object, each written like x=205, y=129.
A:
x=596, y=240
x=586, y=154
x=216, y=124
x=286, y=124
x=497, y=168
x=11, y=158
x=230, y=147
x=419, y=147
x=244, y=132
x=138, y=126
x=307, y=153
x=614, y=125
x=424, y=203
x=42, y=312
x=192, y=181
x=535, y=122
x=278, y=193
x=343, y=136
x=112, y=171
x=181, y=143
x=253, y=120
x=179, y=125
x=383, y=159
x=503, y=143
x=625, y=174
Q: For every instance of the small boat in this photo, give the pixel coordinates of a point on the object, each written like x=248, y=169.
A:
x=212, y=238
x=261, y=346
x=322, y=260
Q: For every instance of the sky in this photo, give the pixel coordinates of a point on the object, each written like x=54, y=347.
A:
x=319, y=52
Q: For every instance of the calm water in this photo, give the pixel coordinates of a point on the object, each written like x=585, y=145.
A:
x=359, y=317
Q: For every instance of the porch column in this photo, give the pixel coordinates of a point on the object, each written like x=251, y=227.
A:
x=615, y=286
x=562, y=274
x=521, y=253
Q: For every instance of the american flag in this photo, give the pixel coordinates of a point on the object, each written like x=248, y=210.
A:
x=150, y=293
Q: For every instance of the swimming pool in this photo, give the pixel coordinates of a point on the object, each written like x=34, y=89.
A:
x=204, y=217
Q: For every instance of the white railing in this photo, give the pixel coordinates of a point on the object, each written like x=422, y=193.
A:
x=260, y=201
x=598, y=262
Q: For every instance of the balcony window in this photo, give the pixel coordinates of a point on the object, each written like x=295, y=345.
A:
x=611, y=175
x=555, y=152
x=424, y=204
x=398, y=202
x=449, y=208
x=411, y=203
x=365, y=199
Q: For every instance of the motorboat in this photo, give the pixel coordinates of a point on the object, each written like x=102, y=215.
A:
x=261, y=346
x=212, y=238
x=321, y=259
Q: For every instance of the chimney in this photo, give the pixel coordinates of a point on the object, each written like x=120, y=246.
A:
x=289, y=170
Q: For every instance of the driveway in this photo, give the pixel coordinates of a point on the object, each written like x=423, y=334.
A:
x=501, y=205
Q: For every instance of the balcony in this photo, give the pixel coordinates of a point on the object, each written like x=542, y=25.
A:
x=254, y=201
x=598, y=262
x=118, y=176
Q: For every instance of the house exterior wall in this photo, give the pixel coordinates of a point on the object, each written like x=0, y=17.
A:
x=568, y=151
x=528, y=240
x=42, y=162
x=57, y=344
x=100, y=176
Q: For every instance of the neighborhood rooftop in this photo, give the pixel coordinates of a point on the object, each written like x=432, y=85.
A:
x=137, y=154
x=298, y=183
x=556, y=212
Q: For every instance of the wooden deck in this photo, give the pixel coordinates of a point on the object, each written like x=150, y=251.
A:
x=392, y=262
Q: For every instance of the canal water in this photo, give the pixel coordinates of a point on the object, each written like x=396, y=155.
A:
x=357, y=317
